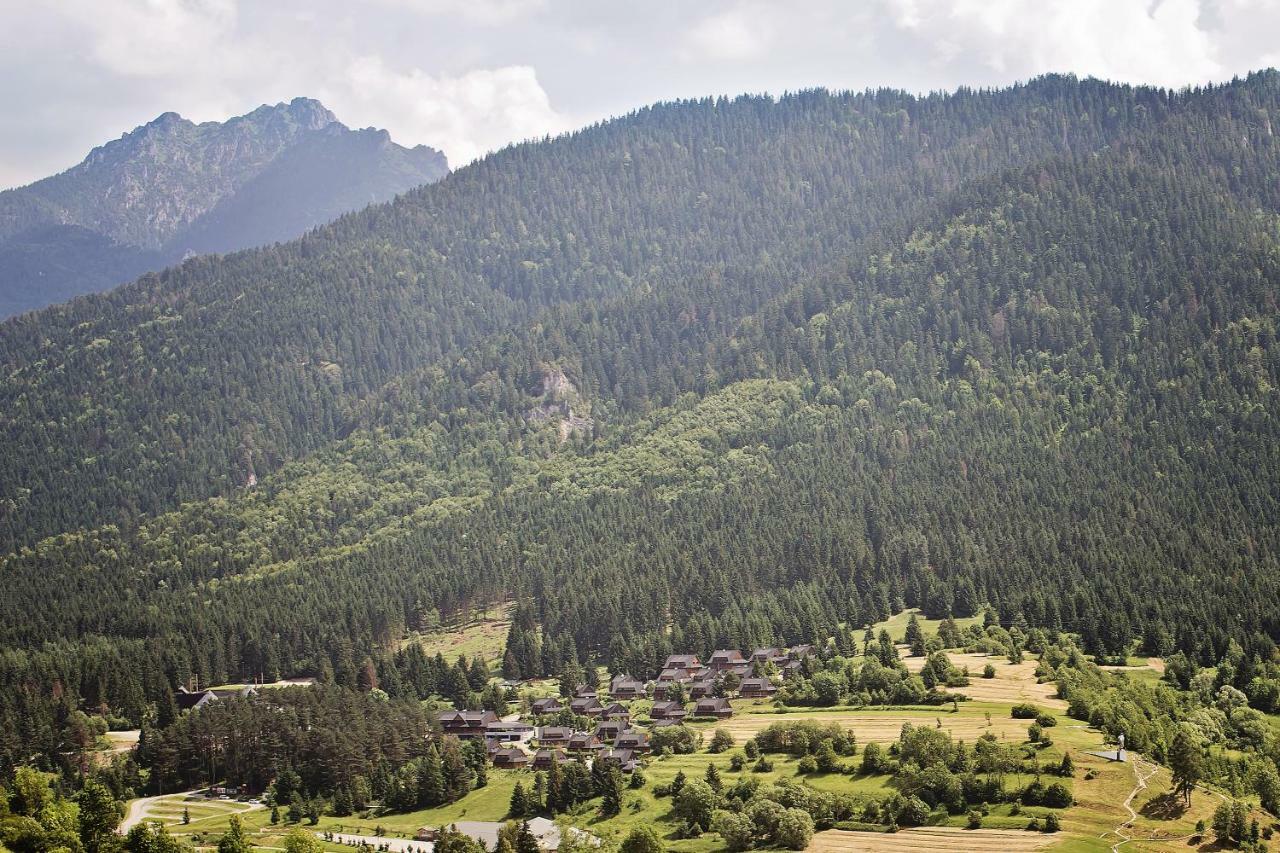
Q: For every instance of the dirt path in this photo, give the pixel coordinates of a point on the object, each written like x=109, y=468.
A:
x=137, y=811
x=1142, y=772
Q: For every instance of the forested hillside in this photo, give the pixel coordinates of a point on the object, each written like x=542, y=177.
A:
x=827, y=356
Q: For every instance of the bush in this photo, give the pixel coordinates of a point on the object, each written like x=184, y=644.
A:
x=795, y=830
x=1025, y=711
x=988, y=671
x=1046, y=721
x=637, y=779
x=1033, y=825
x=807, y=765
x=1057, y=796
x=737, y=762
x=642, y=839
x=678, y=740
x=974, y=820
x=763, y=765
x=1051, y=822
x=737, y=830
x=721, y=741
x=751, y=749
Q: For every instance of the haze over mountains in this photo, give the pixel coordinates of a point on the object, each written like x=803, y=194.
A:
x=172, y=188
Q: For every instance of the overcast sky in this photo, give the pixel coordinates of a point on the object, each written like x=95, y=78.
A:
x=468, y=76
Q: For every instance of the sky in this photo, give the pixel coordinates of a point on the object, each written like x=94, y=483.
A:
x=469, y=76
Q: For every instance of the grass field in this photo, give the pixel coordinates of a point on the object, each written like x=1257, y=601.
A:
x=896, y=625
x=930, y=838
x=1013, y=683
x=485, y=636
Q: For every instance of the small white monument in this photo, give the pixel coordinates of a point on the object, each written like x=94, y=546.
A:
x=1120, y=748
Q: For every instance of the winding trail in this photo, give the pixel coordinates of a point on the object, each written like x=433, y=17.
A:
x=140, y=809
x=1143, y=770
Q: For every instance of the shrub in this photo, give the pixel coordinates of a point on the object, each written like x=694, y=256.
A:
x=795, y=829
x=807, y=765
x=721, y=741
x=1033, y=825
x=1057, y=796
x=988, y=671
x=763, y=765
x=680, y=740
x=642, y=839
x=737, y=762
x=737, y=830
x=1046, y=721
x=637, y=779
x=1051, y=822
x=1025, y=711
x=974, y=820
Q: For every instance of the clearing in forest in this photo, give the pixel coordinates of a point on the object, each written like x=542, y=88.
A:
x=1013, y=683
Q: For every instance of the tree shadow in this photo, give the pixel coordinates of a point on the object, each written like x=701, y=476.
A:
x=1167, y=806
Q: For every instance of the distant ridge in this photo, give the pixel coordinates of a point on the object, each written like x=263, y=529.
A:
x=173, y=187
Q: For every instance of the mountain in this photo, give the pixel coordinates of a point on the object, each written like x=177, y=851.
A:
x=173, y=187
x=718, y=373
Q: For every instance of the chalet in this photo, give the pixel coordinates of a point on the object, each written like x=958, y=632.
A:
x=674, y=673
x=741, y=670
x=626, y=687
x=501, y=732
x=608, y=732
x=542, y=758
x=190, y=701
x=586, y=706
x=702, y=688
x=792, y=668
x=583, y=691
x=713, y=707
x=553, y=736
x=467, y=724
x=623, y=759
x=584, y=742
x=686, y=662
x=802, y=651
x=548, y=705
x=616, y=711
x=756, y=688
x=634, y=740
x=664, y=723
x=509, y=758
x=768, y=655
x=723, y=659
x=668, y=711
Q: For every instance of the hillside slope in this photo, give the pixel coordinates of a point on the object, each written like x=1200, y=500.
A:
x=1031, y=375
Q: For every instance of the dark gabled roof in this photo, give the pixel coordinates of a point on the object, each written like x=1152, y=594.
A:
x=614, y=709
x=551, y=702
x=631, y=736
x=468, y=718
x=756, y=684
x=711, y=703
x=681, y=661
x=554, y=732
x=186, y=701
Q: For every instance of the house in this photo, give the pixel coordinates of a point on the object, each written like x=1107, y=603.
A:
x=548, y=705
x=741, y=670
x=685, y=662
x=616, y=711
x=467, y=724
x=583, y=691
x=626, y=687
x=234, y=692
x=768, y=655
x=584, y=742
x=756, y=688
x=792, y=668
x=623, y=759
x=190, y=701
x=713, y=707
x=723, y=659
x=501, y=732
x=509, y=758
x=542, y=758
x=632, y=739
x=553, y=736
x=802, y=651
x=668, y=711
x=702, y=688
x=674, y=673
x=662, y=724
x=586, y=706
x=609, y=731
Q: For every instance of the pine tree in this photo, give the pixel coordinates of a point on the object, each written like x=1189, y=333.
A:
x=519, y=806
x=1185, y=762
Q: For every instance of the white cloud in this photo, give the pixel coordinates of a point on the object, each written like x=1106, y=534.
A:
x=466, y=115
x=735, y=35
x=149, y=38
x=488, y=12
x=1130, y=40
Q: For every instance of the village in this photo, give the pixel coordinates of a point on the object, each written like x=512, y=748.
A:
x=614, y=733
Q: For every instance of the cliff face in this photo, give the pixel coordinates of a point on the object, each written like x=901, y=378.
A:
x=172, y=187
